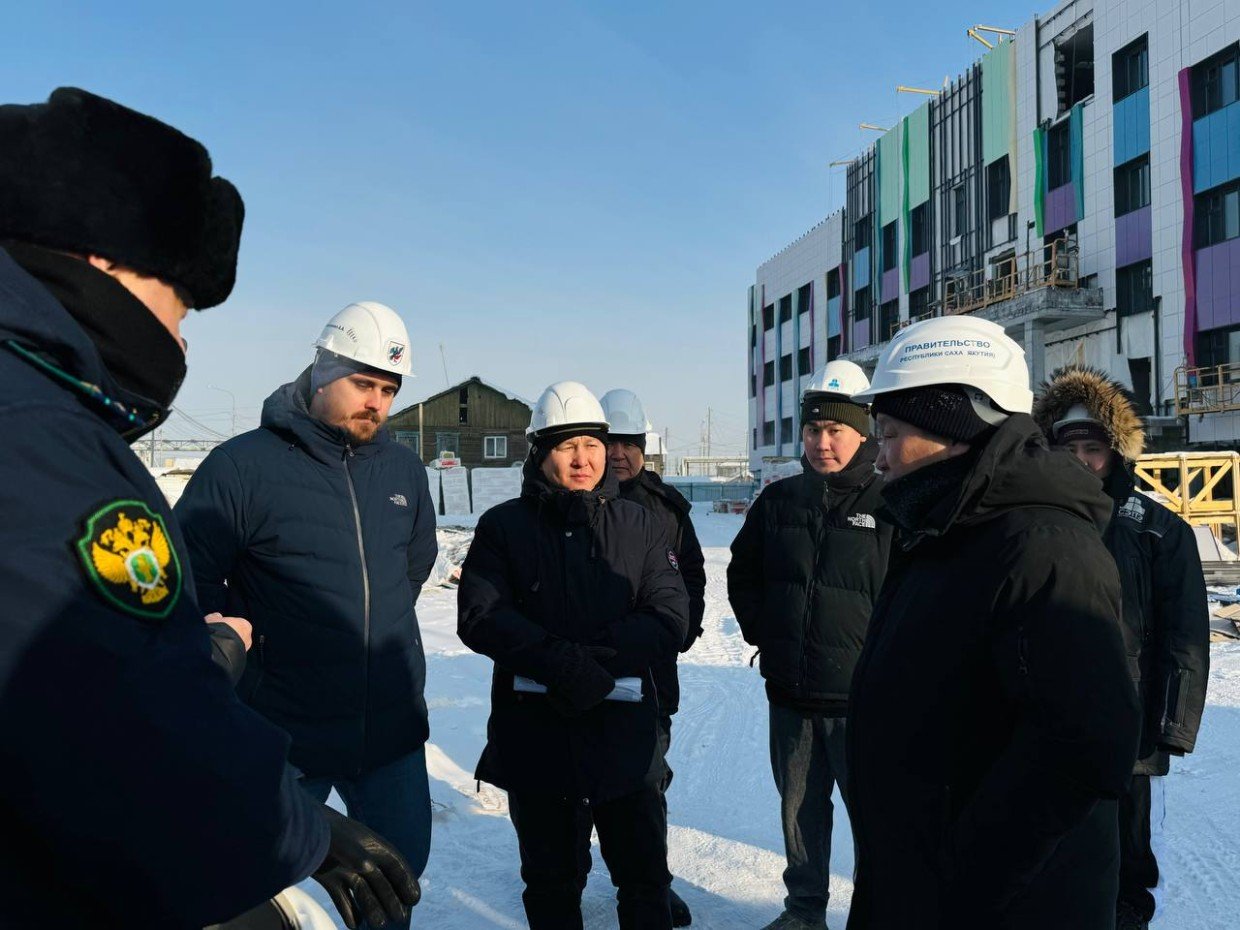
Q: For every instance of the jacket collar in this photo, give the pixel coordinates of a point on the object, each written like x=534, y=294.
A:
x=568, y=507
x=287, y=413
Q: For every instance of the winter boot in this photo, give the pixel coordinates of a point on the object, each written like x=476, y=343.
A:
x=787, y=921
x=1128, y=917
x=680, y=911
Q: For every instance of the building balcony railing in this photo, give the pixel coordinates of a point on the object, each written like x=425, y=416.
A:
x=1211, y=389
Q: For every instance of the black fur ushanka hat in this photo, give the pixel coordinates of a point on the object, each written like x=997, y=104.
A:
x=83, y=174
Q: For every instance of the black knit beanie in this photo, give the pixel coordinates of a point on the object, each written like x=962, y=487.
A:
x=542, y=443
x=836, y=407
x=633, y=439
x=941, y=410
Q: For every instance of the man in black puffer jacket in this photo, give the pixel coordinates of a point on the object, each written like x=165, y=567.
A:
x=806, y=570
x=993, y=723
x=626, y=459
x=320, y=530
x=1166, y=616
x=576, y=597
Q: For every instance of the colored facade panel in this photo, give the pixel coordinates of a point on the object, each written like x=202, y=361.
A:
x=861, y=269
x=1187, y=258
x=917, y=128
x=1060, y=211
x=1039, y=181
x=890, y=184
x=891, y=285
x=1076, y=135
x=998, y=101
x=834, y=316
x=1131, y=126
x=919, y=276
x=860, y=334
x=1133, y=242
x=1218, y=285
x=1216, y=148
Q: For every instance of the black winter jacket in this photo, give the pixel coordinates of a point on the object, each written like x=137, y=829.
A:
x=323, y=546
x=549, y=574
x=806, y=570
x=1166, y=619
x=670, y=508
x=992, y=710
x=136, y=790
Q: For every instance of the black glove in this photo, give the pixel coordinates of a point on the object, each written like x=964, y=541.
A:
x=691, y=639
x=585, y=683
x=365, y=875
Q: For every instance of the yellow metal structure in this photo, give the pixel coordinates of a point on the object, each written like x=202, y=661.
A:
x=1200, y=486
x=1215, y=389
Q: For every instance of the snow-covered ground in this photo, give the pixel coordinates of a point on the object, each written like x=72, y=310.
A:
x=726, y=849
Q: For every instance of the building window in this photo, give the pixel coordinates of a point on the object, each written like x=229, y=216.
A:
x=753, y=337
x=768, y=317
x=834, y=345
x=861, y=304
x=755, y=437
x=785, y=367
x=408, y=437
x=888, y=320
x=960, y=210
x=833, y=283
x=1217, y=215
x=1058, y=156
x=863, y=234
x=1134, y=288
x=768, y=433
x=890, y=246
x=919, y=303
x=1074, y=68
x=753, y=385
x=803, y=361
x=463, y=406
x=495, y=447
x=1132, y=185
x=998, y=189
x=1130, y=69
x=768, y=372
x=1216, y=82
x=805, y=298
x=785, y=308
x=447, y=442
x=1139, y=374
x=919, y=221
x=1218, y=347
x=785, y=430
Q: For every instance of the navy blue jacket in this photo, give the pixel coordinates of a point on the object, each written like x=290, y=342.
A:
x=546, y=574
x=136, y=790
x=323, y=546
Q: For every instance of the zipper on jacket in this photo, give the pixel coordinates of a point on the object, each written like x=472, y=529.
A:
x=361, y=551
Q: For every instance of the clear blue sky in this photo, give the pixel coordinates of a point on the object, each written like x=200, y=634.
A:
x=549, y=190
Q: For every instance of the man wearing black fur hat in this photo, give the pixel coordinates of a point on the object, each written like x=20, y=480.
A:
x=135, y=789
x=1166, y=619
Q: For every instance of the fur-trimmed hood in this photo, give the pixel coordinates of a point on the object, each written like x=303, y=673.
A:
x=1107, y=401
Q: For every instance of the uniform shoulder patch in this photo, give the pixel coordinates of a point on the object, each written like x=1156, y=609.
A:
x=126, y=553
x=671, y=558
x=1134, y=508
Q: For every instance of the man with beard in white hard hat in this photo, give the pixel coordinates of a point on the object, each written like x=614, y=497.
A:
x=321, y=531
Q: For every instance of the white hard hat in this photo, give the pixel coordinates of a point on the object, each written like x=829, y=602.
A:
x=370, y=333
x=624, y=412
x=1077, y=413
x=565, y=404
x=954, y=350
x=838, y=377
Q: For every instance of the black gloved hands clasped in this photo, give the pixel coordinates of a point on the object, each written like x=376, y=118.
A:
x=586, y=683
x=365, y=875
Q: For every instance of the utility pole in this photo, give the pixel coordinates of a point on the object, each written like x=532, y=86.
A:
x=708, y=432
x=151, y=457
x=444, y=358
x=233, y=431
x=667, y=455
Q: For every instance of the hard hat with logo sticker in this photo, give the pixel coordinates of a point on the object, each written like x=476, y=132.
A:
x=955, y=350
x=371, y=333
x=839, y=377
x=624, y=413
x=564, y=405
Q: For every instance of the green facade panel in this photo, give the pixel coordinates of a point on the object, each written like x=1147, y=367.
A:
x=998, y=101
x=917, y=131
x=890, y=189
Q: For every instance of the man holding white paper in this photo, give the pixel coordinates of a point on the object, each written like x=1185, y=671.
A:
x=576, y=595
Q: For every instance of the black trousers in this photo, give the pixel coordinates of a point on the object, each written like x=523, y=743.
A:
x=554, y=836
x=1138, y=867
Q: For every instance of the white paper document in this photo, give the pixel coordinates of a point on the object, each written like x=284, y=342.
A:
x=627, y=689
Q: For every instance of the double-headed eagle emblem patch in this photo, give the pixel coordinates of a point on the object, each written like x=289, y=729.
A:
x=127, y=555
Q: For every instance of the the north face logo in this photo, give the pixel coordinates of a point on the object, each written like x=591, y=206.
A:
x=863, y=521
x=399, y=500
x=1133, y=509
